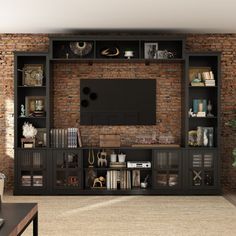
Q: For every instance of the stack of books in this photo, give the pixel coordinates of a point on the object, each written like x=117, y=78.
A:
x=208, y=78
x=210, y=82
x=37, y=180
x=26, y=180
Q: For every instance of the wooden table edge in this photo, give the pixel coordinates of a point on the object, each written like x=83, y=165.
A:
x=25, y=221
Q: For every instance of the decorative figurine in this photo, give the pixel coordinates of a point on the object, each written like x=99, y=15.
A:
x=205, y=138
x=209, y=109
x=102, y=158
x=100, y=180
x=90, y=177
x=22, y=109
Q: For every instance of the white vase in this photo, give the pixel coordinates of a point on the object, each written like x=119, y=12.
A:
x=1, y=188
x=121, y=157
x=205, y=138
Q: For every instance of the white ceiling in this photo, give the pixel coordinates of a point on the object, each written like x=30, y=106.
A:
x=56, y=16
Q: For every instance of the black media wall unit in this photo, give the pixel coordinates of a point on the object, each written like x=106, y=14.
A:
x=49, y=168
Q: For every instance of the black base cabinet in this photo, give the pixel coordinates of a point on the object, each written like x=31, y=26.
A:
x=65, y=171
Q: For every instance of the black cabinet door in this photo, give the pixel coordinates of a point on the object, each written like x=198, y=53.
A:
x=167, y=169
x=67, y=170
x=31, y=170
x=202, y=169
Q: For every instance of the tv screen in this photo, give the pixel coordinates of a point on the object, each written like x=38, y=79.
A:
x=118, y=101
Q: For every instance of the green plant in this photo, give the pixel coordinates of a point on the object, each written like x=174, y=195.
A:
x=232, y=123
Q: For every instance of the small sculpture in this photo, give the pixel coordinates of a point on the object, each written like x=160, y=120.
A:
x=22, y=109
x=110, y=52
x=100, y=180
x=90, y=177
x=28, y=130
x=102, y=158
x=91, y=158
x=205, y=138
x=209, y=109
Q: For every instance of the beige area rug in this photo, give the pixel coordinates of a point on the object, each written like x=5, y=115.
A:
x=132, y=215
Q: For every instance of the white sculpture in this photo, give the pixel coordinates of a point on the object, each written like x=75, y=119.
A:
x=28, y=130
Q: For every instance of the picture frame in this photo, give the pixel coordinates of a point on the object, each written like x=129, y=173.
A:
x=32, y=75
x=150, y=50
x=34, y=106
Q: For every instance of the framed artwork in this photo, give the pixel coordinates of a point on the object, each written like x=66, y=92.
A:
x=150, y=50
x=34, y=106
x=32, y=75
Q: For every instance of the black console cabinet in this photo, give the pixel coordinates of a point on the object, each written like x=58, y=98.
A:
x=193, y=168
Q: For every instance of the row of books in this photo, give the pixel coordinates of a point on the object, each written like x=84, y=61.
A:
x=37, y=180
x=114, y=177
x=62, y=138
x=204, y=79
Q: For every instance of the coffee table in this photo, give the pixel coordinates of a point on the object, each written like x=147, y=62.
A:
x=17, y=217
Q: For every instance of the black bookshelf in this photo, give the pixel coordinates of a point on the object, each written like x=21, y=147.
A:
x=50, y=170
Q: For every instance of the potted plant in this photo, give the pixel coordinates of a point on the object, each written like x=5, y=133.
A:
x=232, y=123
x=2, y=178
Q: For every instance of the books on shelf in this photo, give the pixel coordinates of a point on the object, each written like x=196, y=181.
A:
x=26, y=180
x=65, y=138
x=114, y=177
x=210, y=82
x=201, y=76
x=200, y=107
x=37, y=180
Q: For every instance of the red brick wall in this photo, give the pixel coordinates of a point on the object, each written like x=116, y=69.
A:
x=168, y=86
x=66, y=104
x=8, y=44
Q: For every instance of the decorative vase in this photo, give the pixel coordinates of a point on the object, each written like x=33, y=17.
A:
x=113, y=157
x=121, y=157
x=205, y=138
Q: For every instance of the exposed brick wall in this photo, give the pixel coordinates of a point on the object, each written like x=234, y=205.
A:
x=8, y=44
x=168, y=86
x=66, y=77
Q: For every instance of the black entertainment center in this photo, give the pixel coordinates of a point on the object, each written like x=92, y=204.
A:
x=49, y=167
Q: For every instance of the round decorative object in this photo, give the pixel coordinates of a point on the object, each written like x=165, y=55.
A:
x=84, y=103
x=86, y=90
x=93, y=96
x=81, y=48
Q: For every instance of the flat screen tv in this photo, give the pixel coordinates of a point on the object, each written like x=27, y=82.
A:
x=118, y=101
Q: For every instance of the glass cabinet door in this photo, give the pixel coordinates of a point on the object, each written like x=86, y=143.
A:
x=166, y=168
x=68, y=169
x=32, y=167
